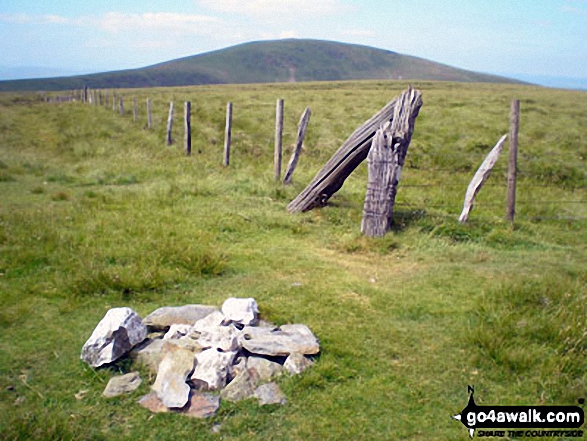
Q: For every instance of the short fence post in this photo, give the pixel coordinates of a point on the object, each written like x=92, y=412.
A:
x=513, y=164
x=227, y=134
x=278, y=139
x=187, y=140
x=170, y=124
x=149, y=115
x=135, y=110
x=121, y=105
x=113, y=101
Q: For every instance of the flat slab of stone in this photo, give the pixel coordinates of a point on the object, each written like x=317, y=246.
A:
x=243, y=311
x=220, y=337
x=279, y=343
x=201, y=405
x=177, y=331
x=270, y=393
x=115, y=335
x=152, y=402
x=214, y=319
x=170, y=384
x=122, y=384
x=166, y=316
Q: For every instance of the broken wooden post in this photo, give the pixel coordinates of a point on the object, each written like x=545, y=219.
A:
x=227, y=135
x=386, y=160
x=149, y=115
x=135, y=109
x=187, y=140
x=277, y=154
x=169, y=124
x=121, y=105
x=513, y=164
x=352, y=152
x=479, y=179
x=293, y=162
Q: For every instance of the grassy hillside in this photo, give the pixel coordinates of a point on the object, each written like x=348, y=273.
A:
x=97, y=212
x=268, y=62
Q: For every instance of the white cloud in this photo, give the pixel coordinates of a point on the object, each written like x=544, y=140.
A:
x=197, y=24
x=264, y=8
x=33, y=19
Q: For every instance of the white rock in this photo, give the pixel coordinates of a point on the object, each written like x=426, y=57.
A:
x=297, y=329
x=115, y=335
x=266, y=369
x=243, y=311
x=224, y=338
x=177, y=331
x=166, y=316
x=212, y=320
x=270, y=394
x=212, y=368
x=170, y=384
x=296, y=363
x=279, y=343
x=122, y=384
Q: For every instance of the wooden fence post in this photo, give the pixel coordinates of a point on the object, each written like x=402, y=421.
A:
x=187, y=140
x=121, y=105
x=113, y=101
x=149, y=115
x=135, y=110
x=278, y=139
x=513, y=165
x=170, y=124
x=227, y=134
x=293, y=162
x=85, y=94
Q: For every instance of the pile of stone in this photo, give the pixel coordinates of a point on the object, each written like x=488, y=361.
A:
x=201, y=354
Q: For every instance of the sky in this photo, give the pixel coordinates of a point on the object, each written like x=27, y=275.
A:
x=522, y=38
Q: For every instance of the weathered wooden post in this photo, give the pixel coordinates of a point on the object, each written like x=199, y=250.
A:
x=479, y=179
x=113, y=101
x=121, y=106
x=149, y=115
x=513, y=165
x=386, y=160
x=278, y=152
x=85, y=94
x=135, y=110
x=227, y=134
x=187, y=140
x=293, y=162
x=170, y=124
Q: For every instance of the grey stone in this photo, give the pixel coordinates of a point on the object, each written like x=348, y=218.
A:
x=296, y=363
x=170, y=384
x=212, y=320
x=122, y=384
x=220, y=337
x=266, y=369
x=270, y=393
x=201, y=405
x=297, y=329
x=166, y=316
x=149, y=354
x=279, y=343
x=115, y=335
x=238, y=365
x=242, y=386
x=212, y=368
x=243, y=311
x=177, y=331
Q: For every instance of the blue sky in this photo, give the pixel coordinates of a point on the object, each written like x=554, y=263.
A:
x=524, y=37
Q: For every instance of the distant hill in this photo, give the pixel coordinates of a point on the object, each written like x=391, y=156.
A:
x=288, y=60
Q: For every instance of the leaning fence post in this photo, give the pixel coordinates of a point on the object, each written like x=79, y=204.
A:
x=293, y=162
x=170, y=124
x=149, y=115
x=227, y=134
x=278, y=139
x=187, y=140
x=513, y=165
x=135, y=110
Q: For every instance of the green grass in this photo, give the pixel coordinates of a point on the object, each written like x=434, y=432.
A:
x=97, y=212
